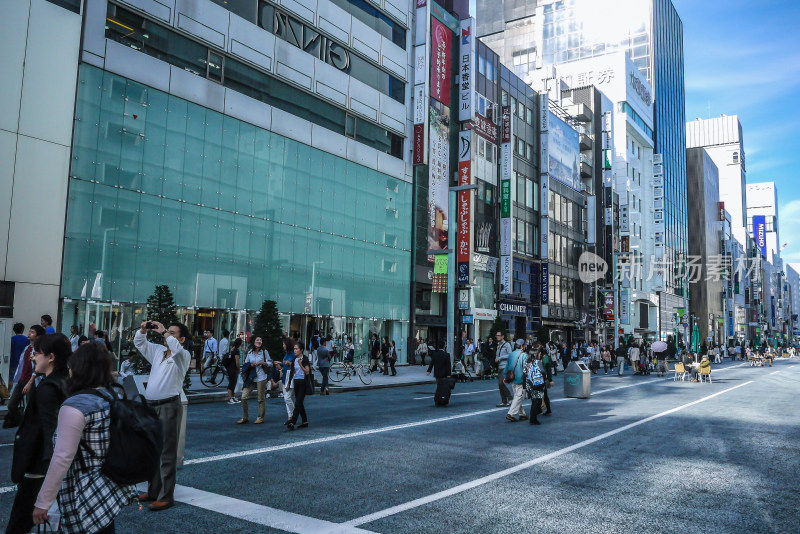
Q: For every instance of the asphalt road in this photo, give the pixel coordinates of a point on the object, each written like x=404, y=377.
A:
x=643, y=454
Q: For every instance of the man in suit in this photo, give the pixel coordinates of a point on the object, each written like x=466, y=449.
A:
x=374, y=352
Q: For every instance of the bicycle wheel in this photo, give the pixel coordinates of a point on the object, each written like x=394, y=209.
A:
x=213, y=375
x=365, y=374
x=338, y=372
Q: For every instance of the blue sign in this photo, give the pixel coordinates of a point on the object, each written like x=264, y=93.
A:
x=760, y=233
x=466, y=319
x=463, y=273
x=545, y=283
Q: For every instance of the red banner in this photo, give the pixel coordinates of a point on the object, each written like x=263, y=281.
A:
x=463, y=211
x=440, y=62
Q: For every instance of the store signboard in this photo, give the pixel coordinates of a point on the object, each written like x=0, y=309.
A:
x=439, y=172
x=505, y=202
x=466, y=73
x=545, y=282
x=441, y=37
x=464, y=207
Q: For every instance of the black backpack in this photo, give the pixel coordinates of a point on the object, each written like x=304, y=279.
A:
x=134, y=452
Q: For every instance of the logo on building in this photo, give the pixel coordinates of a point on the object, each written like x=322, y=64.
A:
x=591, y=267
x=641, y=90
x=309, y=40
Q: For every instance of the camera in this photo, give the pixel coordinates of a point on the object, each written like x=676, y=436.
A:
x=150, y=325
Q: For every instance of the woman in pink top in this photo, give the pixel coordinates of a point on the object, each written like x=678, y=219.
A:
x=88, y=500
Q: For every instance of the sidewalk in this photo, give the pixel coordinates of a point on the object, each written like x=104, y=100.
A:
x=407, y=375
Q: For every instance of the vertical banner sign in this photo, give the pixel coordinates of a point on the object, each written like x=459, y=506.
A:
x=505, y=202
x=421, y=94
x=466, y=66
x=609, y=306
x=760, y=233
x=440, y=62
x=545, y=284
x=440, y=274
x=544, y=177
x=464, y=178
x=624, y=306
x=658, y=226
x=439, y=182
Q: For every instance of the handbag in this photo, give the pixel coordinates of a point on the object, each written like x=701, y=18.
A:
x=309, y=378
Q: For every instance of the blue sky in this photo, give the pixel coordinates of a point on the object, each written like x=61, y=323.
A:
x=743, y=58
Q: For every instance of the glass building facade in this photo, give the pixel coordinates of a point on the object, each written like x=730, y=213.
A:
x=227, y=214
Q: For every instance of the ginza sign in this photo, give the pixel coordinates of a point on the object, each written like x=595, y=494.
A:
x=308, y=39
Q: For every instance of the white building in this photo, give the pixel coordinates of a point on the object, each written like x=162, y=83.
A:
x=723, y=140
x=762, y=201
x=632, y=170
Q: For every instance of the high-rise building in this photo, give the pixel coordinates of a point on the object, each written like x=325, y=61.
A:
x=762, y=207
x=651, y=34
x=723, y=140
x=233, y=151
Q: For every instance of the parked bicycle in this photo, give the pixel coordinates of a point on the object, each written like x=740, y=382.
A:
x=213, y=374
x=341, y=370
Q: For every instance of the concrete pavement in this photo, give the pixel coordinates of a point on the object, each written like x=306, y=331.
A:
x=642, y=454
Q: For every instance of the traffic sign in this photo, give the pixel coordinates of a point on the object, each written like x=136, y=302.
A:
x=685, y=325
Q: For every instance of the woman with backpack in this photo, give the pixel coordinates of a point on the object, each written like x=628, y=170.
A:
x=33, y=443
x=87, y=499
x=232, y=364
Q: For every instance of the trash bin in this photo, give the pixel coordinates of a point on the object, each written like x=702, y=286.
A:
x=577, y=380
x=136, y=384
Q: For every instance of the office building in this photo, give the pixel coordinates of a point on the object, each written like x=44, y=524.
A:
x=723, y=140
x=235, y=152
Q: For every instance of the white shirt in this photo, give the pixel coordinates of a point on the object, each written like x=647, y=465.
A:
x=224, y=346
x=126, y=369
x=261, y=371
x=167, y=374
x=73, y=340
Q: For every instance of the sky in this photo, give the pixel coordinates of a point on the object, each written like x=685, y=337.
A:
x=743, y=58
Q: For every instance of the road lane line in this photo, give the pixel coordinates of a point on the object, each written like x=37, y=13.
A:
x=394, y=510
x=260, y=514
x=774, y=372
x=454, y=394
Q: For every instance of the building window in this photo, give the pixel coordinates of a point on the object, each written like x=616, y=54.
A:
x=736, y=157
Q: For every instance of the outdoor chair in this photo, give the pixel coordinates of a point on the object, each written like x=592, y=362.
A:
x=705, y=374
x=680, y=372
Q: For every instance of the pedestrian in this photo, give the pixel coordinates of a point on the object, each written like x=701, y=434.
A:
x=126, y=369
x=421, y=351
x=169, y=363
x=393, y=356
x=74, y=337
x=501, y=359
x=661, y=363
x=324, y=363
x=440, y=364
x=259, y=366
x=515, y=366
x=33, y=442
x=552, y=351
x=469, y=353
x=210, y=349
x=605, y=354
x=716, y=353
x=622, y=354
x=19, y=341
x=596, y=358
x=537, y=382
x=313, y=346
x=23, y=378
x=349, y=351
x=47, y=323
x=634, y=355
x=301, y=370
x=88, y=500
x=374, y=352
x=385, y=349
x=286, y=372
x=234, y=363
x=224, y=344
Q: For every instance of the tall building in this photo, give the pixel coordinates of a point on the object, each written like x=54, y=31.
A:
x=762, y=225
x=706, y=268
x=233, y=151
x=723, y=140
x=762, y=207
x=651, y=34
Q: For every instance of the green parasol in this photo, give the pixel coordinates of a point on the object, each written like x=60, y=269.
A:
x=695, y=339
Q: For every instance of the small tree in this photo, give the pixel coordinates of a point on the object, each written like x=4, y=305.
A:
x=267, y=325
x=543, y=334
x=499, y=325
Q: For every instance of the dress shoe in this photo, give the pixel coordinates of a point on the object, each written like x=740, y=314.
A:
x=144, y=497
x=242, y=421
x=523, y=417
x=535, y=421
x=258, y=421
x=511, y=418
x=161, y=505
x=303, y=425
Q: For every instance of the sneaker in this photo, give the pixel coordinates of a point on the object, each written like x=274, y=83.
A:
x=237, y=401
x=501, y=405
x=231, y=401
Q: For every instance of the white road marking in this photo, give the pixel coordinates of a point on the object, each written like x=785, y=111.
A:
x=774, y=372
x=512, y=470
x=454, y=394
x=259, y=514
x=6, y=444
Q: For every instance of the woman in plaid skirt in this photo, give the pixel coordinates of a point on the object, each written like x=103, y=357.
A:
x=88, y=500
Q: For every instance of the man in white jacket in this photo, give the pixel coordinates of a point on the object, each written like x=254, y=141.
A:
x=169, y=362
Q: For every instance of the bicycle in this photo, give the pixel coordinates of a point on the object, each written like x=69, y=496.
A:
x=213, y=373
x=341, y=370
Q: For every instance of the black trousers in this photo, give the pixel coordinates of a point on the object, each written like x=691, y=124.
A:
x=299, y=398
x=385, y=360
x=21, y=519
x=391, y=366
x=536, y=405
